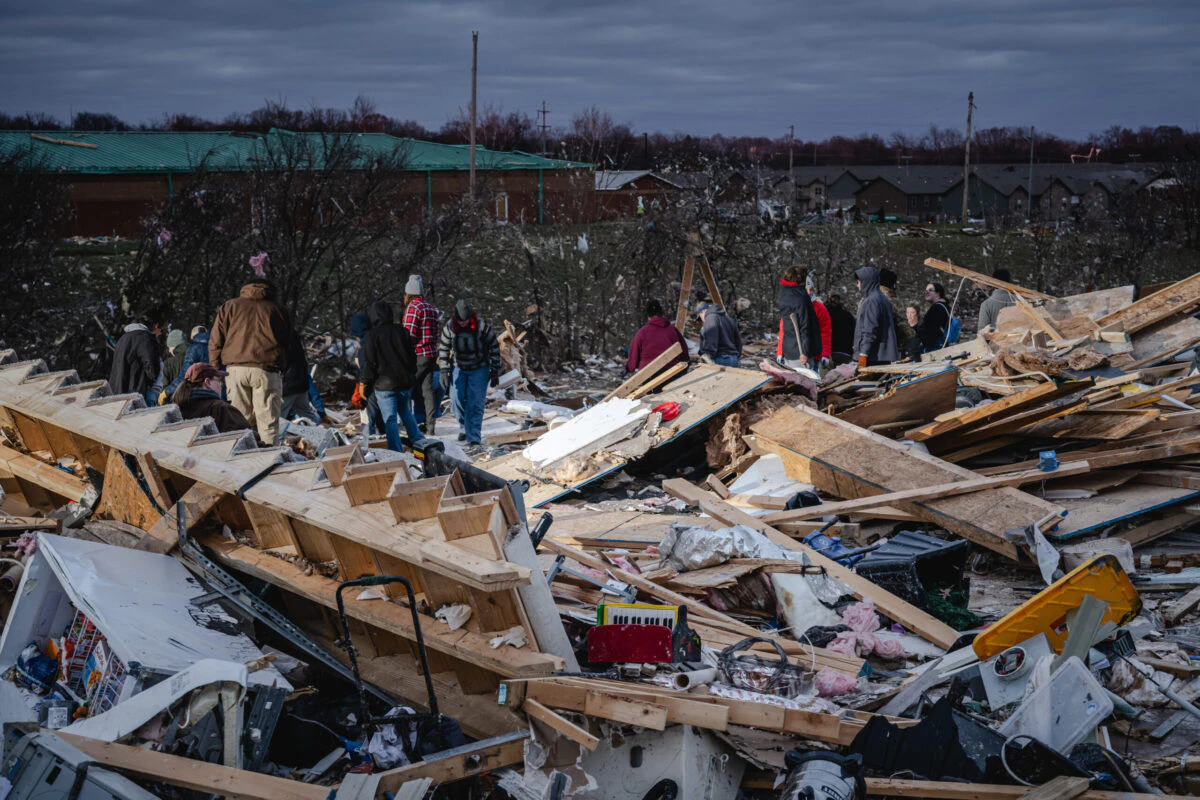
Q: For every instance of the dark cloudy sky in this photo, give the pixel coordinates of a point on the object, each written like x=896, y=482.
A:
x=701, y=66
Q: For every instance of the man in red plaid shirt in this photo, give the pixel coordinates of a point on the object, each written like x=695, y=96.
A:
x=421, y=320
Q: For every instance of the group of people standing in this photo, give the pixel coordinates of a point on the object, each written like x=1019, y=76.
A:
x=250, y=371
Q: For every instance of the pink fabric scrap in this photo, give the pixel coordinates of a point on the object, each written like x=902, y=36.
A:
x=259, y=263
x=861, y=640
x=831, y=683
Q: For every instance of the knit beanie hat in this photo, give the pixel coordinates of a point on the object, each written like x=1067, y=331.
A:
x=175, y=338
x=415, y=285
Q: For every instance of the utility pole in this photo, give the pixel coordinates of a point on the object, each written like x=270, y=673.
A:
x=967, y=156
x=907, y=161
x=543, y=112
x=1029, y=198
x=791, y=170
x=474, y=72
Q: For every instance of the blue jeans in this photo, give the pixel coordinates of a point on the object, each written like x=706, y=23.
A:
x=395, y=408
x=374, y=418
x=151, y=396
x=726, y=361
x=468, y=399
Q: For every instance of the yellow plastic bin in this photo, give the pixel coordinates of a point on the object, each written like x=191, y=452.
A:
x=1046, y=612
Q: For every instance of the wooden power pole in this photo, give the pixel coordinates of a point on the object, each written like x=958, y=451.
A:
x=967, y=157
x=474, y=72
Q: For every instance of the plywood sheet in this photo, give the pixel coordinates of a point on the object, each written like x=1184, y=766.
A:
x=1113, y=506
x=922, y=398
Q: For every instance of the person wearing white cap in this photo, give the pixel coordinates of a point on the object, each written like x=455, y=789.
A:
x=421, y=321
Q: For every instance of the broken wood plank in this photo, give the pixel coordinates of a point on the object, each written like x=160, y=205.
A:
x=657, y=381
x=516, y=437
x=561, y=724
x=915, y=619
x=985, y=280
x=647, y=372
x=928, y=493
x=950, y=790
x=154, y=480
x=624, y=709
x=685, y=284
x=1175, y=299
x=922, y=398
x=464, y=762
x=197, y=501
x=52, y=479
x=1038, y=318
x=190, y=773
x=1182, y=606
x=1064, y=787
x=849, y=462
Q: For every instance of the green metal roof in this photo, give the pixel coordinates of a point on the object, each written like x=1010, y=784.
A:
x=152, y=152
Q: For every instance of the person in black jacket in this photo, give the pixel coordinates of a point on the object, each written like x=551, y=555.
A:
x=842, y=322
x=137, y=364
x=932, y=330
x=801, y=332
x=389, y=366
x=296, y=383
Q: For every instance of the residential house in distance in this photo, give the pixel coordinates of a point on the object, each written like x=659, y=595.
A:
x=625, y=194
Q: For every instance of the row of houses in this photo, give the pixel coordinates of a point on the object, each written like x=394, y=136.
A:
x=117, y=179
x=918, y=193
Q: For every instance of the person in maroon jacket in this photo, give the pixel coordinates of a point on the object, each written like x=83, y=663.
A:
x=653, y=339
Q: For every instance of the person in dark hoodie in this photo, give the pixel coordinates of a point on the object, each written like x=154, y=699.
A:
x=296, y=383
x=874, y=329
x=197, y=353
x=199, y=395
x=801, y=331
x=389, y=367
x=841, y=322
x=137, y=365
x=468, y=345
x=653, y=339
x=249, y=339
x=720, y=342
x=359, y=325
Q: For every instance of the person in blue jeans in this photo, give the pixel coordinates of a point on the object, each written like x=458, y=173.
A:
x=389, y=366
x=720, y=342
x=467, y=344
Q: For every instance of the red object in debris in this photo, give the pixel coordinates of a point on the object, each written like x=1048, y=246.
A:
x=638, y=644
x=669, y=411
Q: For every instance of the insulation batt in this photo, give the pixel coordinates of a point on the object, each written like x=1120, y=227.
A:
x=860, y=640
x=831, y=683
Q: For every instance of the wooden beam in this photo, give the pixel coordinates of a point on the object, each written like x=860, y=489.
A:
x=929, y=493
x=1182, y=606
x=658, y=381
x=1064, y=787
x=1149, y=531
x=949, y=790
x=559, y=723
x=1175, y=299
x=1038, y=318
x=985, y=280
x=52, y=479
x=516, y=437
x=849, y=462
x=163, y=536
x=685, y=283
x=154, y=480
x=991, y=412
x=190, y=773
x=714, y=292
x=647, y=372
x=465, y=763
x=915, y=619
x=470, y=647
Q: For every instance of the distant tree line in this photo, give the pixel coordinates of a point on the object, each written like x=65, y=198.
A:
x=593, y=135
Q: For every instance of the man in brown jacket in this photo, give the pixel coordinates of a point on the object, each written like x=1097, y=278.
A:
x=250, y=338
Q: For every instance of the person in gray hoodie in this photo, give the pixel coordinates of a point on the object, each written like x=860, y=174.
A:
x=997, y=301
x=720, y=342
x=874, y=331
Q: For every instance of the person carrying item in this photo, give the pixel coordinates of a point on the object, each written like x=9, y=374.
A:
x=997, y=301
x=653, y=339
x=468, y=346
x=421, y=322
x=296, y=401
x=841, y=323
x=720, y=342
x=824, y=323
x=389, y=365
x=200, y=395
x=197, y=352
x=874, y=329
x=800, y=332
x=249, y=339
x=137, y=365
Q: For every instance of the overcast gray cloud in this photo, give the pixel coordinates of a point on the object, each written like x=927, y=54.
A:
x=700, y=66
